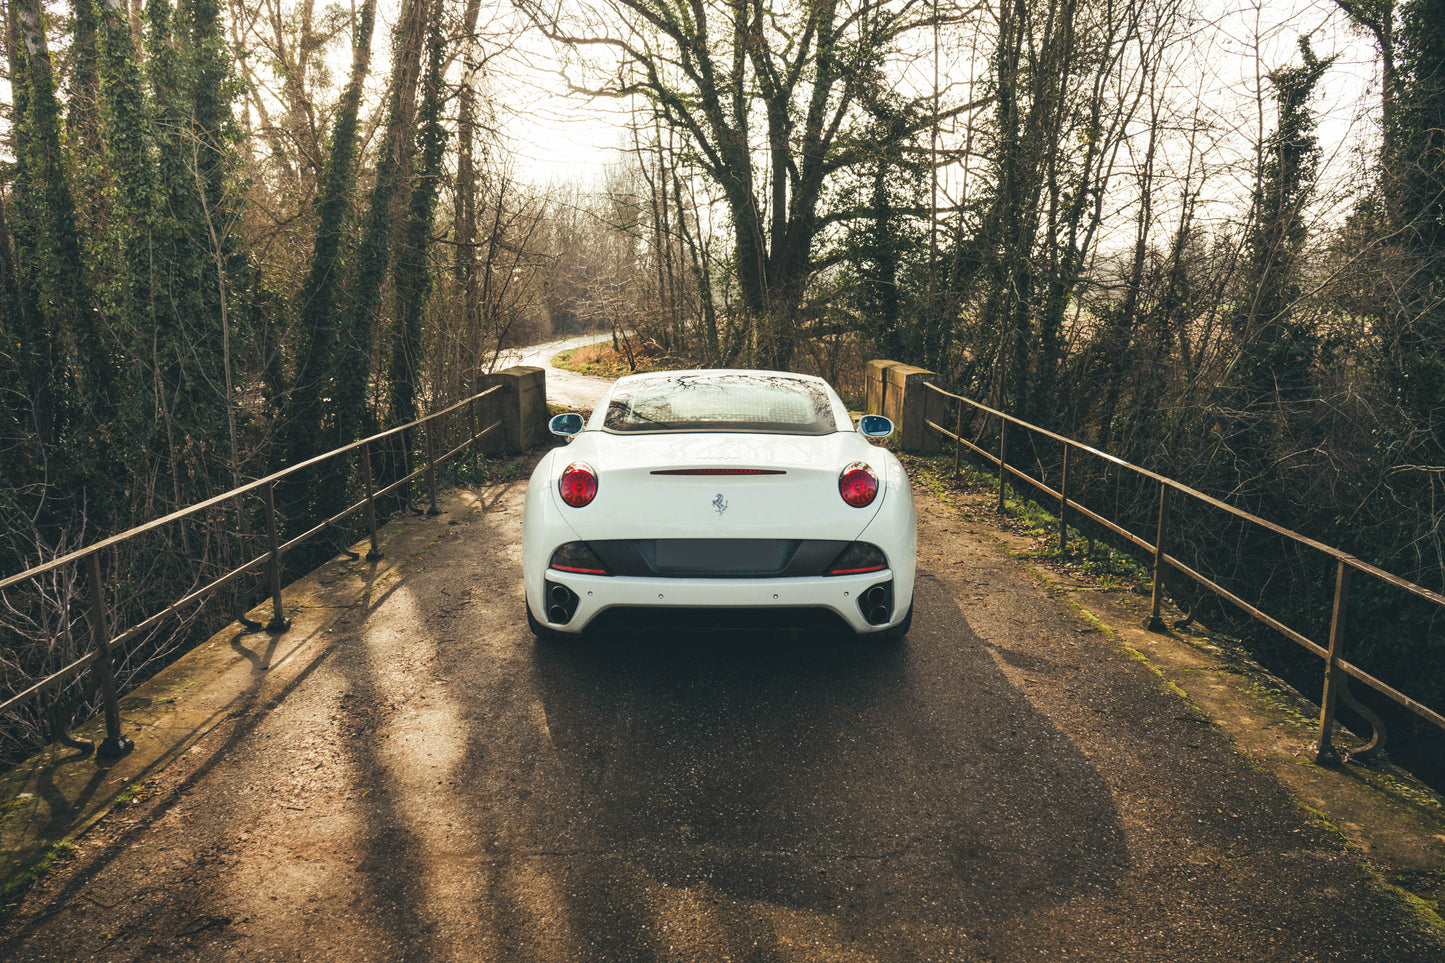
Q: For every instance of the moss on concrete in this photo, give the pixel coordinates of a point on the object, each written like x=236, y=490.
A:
x=62, y=850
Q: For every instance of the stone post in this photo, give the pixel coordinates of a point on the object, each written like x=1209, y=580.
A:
x=896, y=390
x=876, y=386
x=521, y=406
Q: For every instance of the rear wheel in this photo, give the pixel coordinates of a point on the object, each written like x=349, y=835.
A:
x=542, y=632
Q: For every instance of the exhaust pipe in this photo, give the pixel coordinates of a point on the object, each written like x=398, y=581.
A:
x=876, y=603
x=561, y=603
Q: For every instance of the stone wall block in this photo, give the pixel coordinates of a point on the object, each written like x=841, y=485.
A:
x=521, y=406
x=897, y=390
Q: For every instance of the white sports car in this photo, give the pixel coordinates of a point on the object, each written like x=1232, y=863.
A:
x=709, y=499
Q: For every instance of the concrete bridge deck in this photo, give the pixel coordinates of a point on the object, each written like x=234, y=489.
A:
x=406, y=776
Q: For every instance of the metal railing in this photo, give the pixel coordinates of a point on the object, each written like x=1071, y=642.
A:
x=100, y=659
x=1338, y=671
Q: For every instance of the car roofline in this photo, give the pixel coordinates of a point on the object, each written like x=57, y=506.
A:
x=704, y=372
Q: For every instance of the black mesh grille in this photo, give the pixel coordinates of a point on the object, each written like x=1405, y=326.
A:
x=720, y=620
x=718, y=557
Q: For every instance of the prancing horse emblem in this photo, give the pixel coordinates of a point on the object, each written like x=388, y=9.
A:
x=720, y=503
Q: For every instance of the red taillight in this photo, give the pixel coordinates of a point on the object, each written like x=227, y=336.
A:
x=858, y=485
x=578, y=484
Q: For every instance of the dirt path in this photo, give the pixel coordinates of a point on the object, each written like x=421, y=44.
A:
x=428, y=784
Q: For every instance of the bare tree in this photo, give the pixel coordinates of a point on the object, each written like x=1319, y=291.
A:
x=768, y=97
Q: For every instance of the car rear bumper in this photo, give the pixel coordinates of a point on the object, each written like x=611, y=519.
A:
x=608, y=597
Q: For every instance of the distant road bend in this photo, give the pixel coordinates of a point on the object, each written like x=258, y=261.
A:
x=567, y=388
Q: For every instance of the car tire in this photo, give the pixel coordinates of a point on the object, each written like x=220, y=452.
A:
x=897, y=632
x=542, y=632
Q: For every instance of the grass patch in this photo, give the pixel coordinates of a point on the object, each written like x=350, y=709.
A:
x=1278, y=700
x=1426, y=912
x=1100, y=563
x=130, y=795
x=1422, y=891
x=467, y=472
x=1322, y=821
x=1423, y=804
x=9, y=807
x=61, y=851
x=601, y=360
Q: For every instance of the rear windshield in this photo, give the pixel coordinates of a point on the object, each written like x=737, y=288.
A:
x=721, y=402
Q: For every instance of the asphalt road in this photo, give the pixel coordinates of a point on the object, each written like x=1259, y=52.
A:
x=1004, y=784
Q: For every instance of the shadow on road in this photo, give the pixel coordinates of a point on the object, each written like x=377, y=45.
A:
x=910, y=781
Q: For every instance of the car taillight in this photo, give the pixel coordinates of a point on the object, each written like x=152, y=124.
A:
x=578, y=484
x=858, y=485
x=578, y=558
x=858, y=558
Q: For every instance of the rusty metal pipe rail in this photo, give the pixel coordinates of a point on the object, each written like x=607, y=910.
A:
x=1337, y=671
x=245, y=489
x=99, y=659
x=1073, y=506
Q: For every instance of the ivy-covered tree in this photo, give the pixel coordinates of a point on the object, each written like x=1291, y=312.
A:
x=374, y=253
x=320, y=299
x=1415, y=173
x=65, y=366
x=190, y=402
x=82, y=119
x=226, y=280
x=1277, y=346
x=413, y=274
x=1059, y=70
x=886, y=239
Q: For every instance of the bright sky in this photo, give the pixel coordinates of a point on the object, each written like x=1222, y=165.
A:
x=556, y=137
x=561, y=141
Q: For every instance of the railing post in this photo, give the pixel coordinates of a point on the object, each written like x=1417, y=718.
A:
x=243, y=535
x=1064, y=504
x=1325, y=752
x=957, y=440
x=375, y=553
x=1002, y=458
x=472, y=426
x=114, y=745
x=279, y=622
x=431, y=468
x=1156, y=624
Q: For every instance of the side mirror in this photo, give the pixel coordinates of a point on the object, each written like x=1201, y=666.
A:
x=566, y=424
x=875, y=426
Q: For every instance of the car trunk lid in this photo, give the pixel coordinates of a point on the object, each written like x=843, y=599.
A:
x=724, y=485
